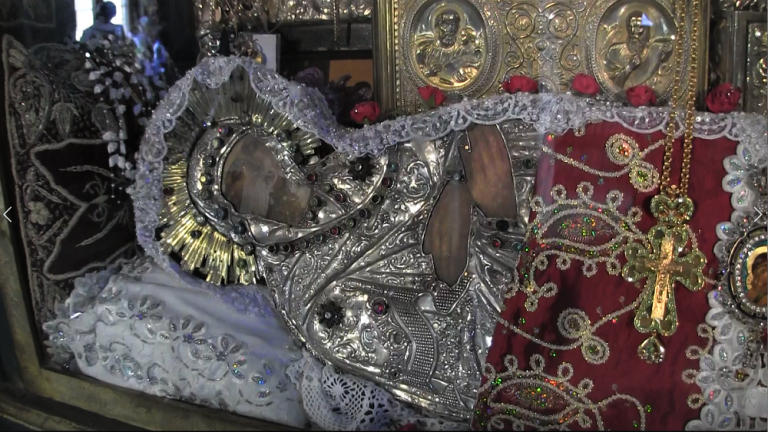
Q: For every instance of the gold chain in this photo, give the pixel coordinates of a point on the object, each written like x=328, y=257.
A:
x=689, y=99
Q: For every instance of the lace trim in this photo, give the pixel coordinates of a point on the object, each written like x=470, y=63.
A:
x=103, y=330
x=735, y=390
x=307, y=108
x=337, y=401
x=734, y=377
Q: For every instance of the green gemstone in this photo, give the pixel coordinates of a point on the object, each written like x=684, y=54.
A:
x=241, y=263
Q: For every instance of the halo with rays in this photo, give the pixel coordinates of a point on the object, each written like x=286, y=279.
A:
x=183, y=228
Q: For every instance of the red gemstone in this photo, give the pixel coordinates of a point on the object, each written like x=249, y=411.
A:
x=335, y=231
x=387, y=182
x=379, y=307
x=496, y=243
x=339, y=197
x=168, y=191
x=311, y=177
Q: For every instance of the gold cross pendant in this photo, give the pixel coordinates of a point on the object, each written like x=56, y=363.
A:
x=661, y=264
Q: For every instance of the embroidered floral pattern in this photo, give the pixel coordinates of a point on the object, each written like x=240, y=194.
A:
x=621, y=150
x=138, y=341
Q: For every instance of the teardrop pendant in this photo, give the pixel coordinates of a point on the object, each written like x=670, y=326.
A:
x=651, y=350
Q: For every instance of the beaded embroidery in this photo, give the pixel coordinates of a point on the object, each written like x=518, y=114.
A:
x=542, y=401
x=622, y=150
x=565, y=231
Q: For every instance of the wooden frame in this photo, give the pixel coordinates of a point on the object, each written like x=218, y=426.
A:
x=121, y=404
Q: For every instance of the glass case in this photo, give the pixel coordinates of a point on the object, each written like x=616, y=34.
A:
x=384, y=215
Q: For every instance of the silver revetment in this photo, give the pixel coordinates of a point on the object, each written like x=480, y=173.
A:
x=399, y=325
x=351, y=280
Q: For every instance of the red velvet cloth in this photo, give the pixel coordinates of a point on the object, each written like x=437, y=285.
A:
x=658, y=386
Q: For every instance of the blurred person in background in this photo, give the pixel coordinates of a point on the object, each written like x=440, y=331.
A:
x=102, y=23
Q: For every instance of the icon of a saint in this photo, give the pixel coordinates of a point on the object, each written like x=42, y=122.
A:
x=757, y=277
x=631, y=55
x=256, y=185
x=450, y=55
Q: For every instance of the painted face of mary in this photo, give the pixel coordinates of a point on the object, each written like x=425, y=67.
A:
x=255, y=184
x=757, y=281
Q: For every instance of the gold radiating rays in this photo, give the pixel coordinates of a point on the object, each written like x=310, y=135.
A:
x=200, y=246
x=185, y=231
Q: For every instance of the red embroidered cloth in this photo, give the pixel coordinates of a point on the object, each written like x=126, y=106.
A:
x=656, y=392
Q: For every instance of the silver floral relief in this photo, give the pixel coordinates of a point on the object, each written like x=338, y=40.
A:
x=367, y=298
x=756, y=90
x=71, y=204
x=319, y=10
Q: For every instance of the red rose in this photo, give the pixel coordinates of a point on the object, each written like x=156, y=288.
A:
x=585, y=84
x=432, y=96
x=407, y=427
x=641, y=95
x=723, y=98
x=519, y=83
x=365, y=112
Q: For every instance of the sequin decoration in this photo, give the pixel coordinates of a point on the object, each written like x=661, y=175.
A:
x=624, y=151
x=621, y=149
x=643, y=176
x=564, y=230
x=521, y=399
x=584, y=230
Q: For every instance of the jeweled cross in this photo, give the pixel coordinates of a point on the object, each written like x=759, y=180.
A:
x=662, y=265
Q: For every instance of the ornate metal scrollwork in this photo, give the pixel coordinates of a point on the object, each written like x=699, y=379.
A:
x=468, y=47
x=341, y=241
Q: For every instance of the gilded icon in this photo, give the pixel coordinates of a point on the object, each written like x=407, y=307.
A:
x=757, y=277
x=448, y=44
x=747, y=275
x=633, y=45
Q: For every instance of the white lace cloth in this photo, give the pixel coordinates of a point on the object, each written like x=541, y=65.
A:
x=149, y=331
x=337, y=401
x=733, y=400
